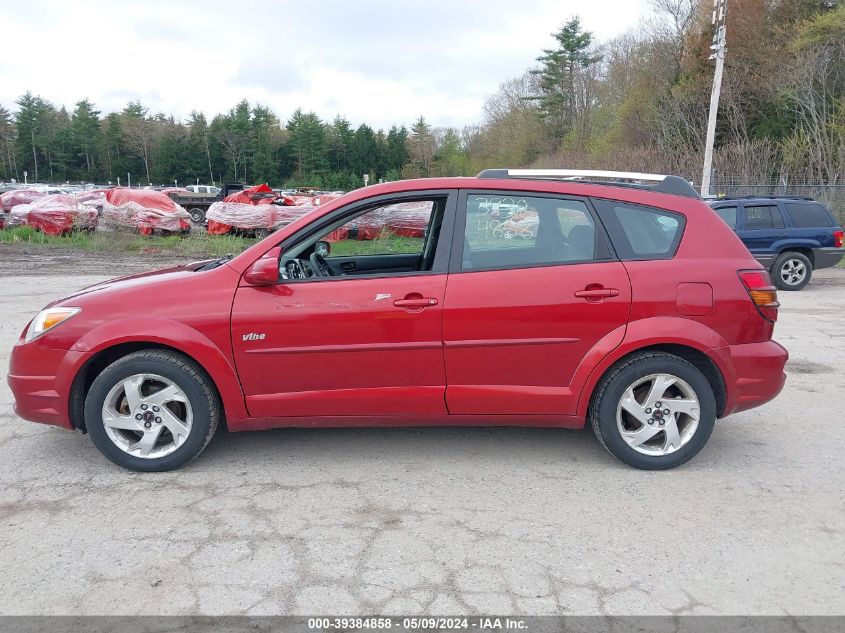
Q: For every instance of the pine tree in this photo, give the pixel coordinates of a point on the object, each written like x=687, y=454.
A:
x=557, y=99
x=84, y=133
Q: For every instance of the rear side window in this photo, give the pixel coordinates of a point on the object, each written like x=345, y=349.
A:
x=728, y=214
x=639, y=232
x=763, y=217
x=528, y=231
x=805, y=216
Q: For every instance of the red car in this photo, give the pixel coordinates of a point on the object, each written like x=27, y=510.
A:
x=630, y=306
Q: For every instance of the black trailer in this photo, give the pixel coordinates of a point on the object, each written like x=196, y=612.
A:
x=197, y=204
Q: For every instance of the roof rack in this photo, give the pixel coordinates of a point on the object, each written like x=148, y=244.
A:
x=752, y=197
x=663, y=184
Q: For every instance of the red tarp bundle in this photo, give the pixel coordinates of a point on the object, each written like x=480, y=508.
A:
x=55, y=215
x=251, y=195
x=15, y=197
x=145, y=210
x=405, y=219
x=249, y=209
x=92, y=196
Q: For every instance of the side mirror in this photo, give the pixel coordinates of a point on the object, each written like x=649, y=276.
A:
x=265, y=271
x=322, y=249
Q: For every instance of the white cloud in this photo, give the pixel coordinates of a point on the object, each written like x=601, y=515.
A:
x=374, y=61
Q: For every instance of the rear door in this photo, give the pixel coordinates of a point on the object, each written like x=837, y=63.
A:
x=811, y=222
x=529, y=295
x=763, y=226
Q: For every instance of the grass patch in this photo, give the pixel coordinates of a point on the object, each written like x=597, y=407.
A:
x=384, y=244
x=197, y=245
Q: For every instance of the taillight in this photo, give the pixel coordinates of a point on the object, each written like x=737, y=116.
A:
x=838, y=238
x=762, y=292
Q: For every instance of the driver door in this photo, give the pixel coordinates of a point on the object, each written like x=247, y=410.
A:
x=365, y=341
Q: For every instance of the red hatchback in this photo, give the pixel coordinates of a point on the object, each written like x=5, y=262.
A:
x=531, y=298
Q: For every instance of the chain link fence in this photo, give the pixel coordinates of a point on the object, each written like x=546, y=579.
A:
x=832, y=195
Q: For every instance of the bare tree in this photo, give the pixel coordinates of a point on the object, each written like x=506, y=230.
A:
x=675, y=18
x=816, y=89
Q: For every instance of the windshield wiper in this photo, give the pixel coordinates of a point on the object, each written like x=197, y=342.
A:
x=216, y=263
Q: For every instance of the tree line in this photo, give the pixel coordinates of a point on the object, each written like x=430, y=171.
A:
x=636, y=102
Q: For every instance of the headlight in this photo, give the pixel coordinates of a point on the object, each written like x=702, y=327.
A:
x=47, y=319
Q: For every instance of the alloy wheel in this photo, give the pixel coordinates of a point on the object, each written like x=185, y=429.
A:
x=658, y=414
x=147, y=416
x=793, y=272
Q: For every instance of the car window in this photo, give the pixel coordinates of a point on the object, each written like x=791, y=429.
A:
x=806, y=215
x=386, y=230
x=527, y=231
x=639, y=232
x=728, y=214
x=762, y=217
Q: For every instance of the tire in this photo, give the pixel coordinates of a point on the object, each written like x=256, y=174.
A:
x=188, y=404
x=792, y=271
x=197, y=215
x=610, y=418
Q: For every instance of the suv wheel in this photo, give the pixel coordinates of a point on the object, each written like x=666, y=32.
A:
x=653, y=411
x=792, y=271
x=152, y=411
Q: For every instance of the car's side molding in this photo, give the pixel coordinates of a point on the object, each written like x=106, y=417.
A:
x=639, y=335
x=176, y=335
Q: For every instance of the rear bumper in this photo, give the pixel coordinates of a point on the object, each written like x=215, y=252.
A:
x=827, y=257
x=41, y=380
x=753, y=374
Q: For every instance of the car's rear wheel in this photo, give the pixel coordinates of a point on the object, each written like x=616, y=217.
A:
x=792, y=271
x=197, y=215
x=653, y=411
x=152, y=410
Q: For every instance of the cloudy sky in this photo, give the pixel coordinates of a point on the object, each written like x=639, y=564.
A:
x=375, y=61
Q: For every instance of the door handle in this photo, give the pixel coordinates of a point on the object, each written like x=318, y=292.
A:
x=596, y=293
x=411, y=303
x=421, y=302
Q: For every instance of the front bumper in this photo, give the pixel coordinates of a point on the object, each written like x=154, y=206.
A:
x=41, y=380
x=827, y=257
x=753, y=374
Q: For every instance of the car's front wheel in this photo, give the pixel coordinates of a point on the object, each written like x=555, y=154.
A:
x=792, y=271
x=653, y=411
x=152, y=410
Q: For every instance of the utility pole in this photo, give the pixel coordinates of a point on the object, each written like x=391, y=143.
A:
x=720, y=10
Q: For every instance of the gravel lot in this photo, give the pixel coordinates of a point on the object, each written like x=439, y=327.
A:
x=409, y=521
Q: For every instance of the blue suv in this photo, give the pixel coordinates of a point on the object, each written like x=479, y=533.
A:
x=789, y=236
